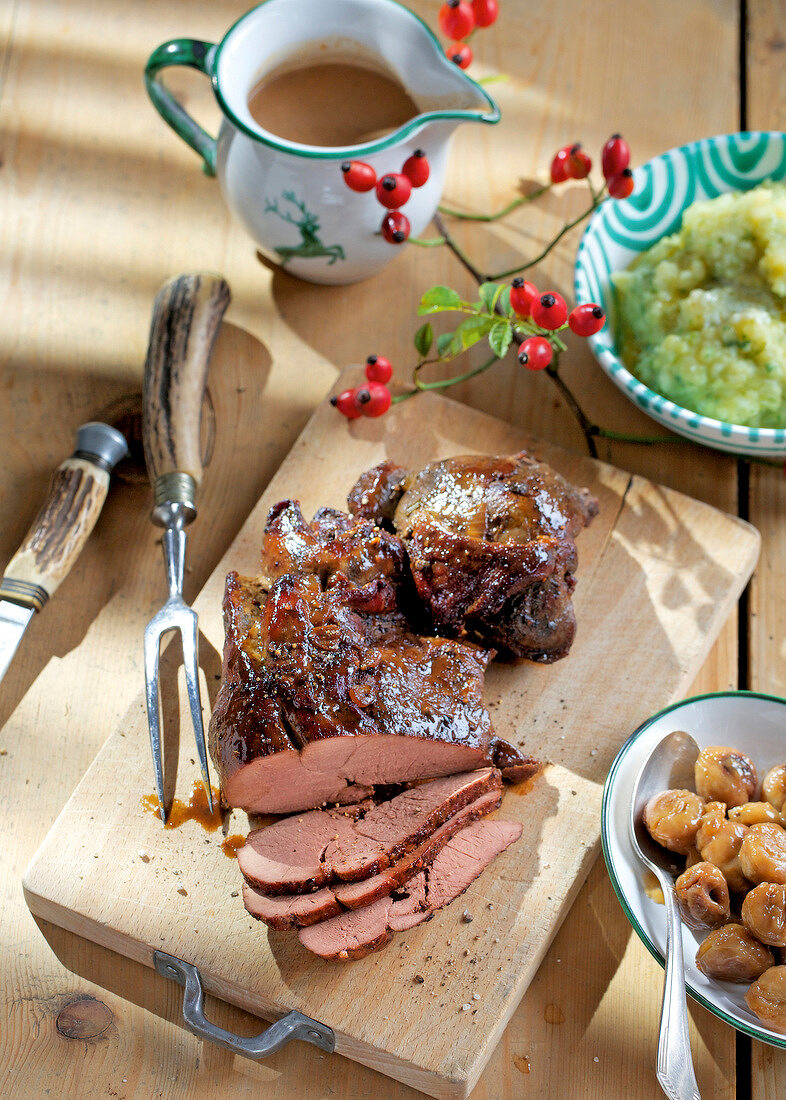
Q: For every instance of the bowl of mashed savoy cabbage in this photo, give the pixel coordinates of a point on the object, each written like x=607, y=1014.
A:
x=691, y=270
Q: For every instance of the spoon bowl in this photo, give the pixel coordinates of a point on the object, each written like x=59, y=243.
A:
x=669, y=766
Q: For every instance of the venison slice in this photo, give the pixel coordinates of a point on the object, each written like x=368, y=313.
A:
x=358, y=932
x=289, y=852
x=300, y=910
x=302, y=853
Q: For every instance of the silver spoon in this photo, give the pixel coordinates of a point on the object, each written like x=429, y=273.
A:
x=669, y=766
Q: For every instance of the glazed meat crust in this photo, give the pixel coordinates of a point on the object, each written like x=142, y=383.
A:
x=326, y=691
x=491, y=546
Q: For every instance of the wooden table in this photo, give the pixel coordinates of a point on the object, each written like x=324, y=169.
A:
x=100, y=205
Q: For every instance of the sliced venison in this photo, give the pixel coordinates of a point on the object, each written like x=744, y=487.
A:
x=356, y=933
x=300, y=910
x=301, y=853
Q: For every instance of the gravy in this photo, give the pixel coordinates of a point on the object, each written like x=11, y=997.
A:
x=332, y=103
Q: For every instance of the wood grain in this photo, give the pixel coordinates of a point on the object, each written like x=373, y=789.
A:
x=659, y=574
x=766, y=109
x=103, y=205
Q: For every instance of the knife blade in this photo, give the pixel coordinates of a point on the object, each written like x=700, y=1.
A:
x=58, y=533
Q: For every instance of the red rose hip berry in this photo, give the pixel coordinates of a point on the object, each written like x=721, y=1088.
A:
x=580, y=163
x=522, y=295
x=460, y=54
x=586, y=319
x=535, y=353
x=615, y=156
x=358, y=176
x=416, y=168
x=373, y=399
x=395, y=227
x=378, y=369
x=456, y=19
x=549, y=311
x=346, y=404
x=393, y=190
x=485, y=12
x=560, y=166
x=621, y=185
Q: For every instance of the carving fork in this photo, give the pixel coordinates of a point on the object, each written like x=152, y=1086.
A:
x=187, y=313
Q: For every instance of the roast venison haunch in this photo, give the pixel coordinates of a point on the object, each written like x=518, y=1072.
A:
x=355, y=660
x=326, y=689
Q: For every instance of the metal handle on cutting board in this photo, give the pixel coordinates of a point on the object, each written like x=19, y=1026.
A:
x=292, y=1026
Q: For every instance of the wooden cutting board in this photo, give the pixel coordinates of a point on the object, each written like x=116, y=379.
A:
x=658, y=574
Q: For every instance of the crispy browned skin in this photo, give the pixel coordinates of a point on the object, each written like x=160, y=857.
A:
x=326, y=691
x=491, y=546
x=376, y=493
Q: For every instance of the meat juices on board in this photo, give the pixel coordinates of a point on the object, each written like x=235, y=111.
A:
x=332, y=685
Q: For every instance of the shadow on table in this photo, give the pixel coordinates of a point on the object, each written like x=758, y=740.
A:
x=301, y=1069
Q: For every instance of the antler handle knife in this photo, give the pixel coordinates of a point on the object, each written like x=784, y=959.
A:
x=58, y=533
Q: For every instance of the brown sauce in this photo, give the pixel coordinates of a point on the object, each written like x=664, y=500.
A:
x=196, y=809
x=333, y=103
x=525, y=786
x=230, y=845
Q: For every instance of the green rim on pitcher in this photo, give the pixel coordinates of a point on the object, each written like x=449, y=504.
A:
x=205, y=57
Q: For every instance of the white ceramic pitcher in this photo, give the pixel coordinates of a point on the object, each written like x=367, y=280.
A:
x=292, y=198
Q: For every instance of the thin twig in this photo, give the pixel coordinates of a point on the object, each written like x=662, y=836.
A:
x=458, y=252
x=531, y=263
x=513, y=205
x=624, y=437
x=589, y=430
x=445, y=382
x=587, y=427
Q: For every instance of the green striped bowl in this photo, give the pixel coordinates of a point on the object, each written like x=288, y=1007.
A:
x=619, y=230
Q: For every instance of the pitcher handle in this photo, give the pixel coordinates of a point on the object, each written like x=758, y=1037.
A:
x=195, y=55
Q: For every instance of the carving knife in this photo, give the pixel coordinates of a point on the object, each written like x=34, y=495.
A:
x=58, y=533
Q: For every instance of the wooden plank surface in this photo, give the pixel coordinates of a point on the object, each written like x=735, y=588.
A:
x=659, y=574
x=101, y=204
x=766, y=109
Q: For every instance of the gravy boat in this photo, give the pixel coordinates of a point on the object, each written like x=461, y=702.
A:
x=292, y=198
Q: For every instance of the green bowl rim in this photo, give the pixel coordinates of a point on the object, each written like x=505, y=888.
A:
x=755, y=1032
x=690, y=422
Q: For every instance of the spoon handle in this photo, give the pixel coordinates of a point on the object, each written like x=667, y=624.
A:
x=675, y=1065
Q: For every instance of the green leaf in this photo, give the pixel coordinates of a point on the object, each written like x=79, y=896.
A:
x=472, y=330
x=447, y=345
x=504, y=301
x=489, y=292
x=500, y=337
x=438, y=299
x=423, y=339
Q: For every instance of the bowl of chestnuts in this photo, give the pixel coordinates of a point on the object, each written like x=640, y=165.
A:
x=728, y=828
